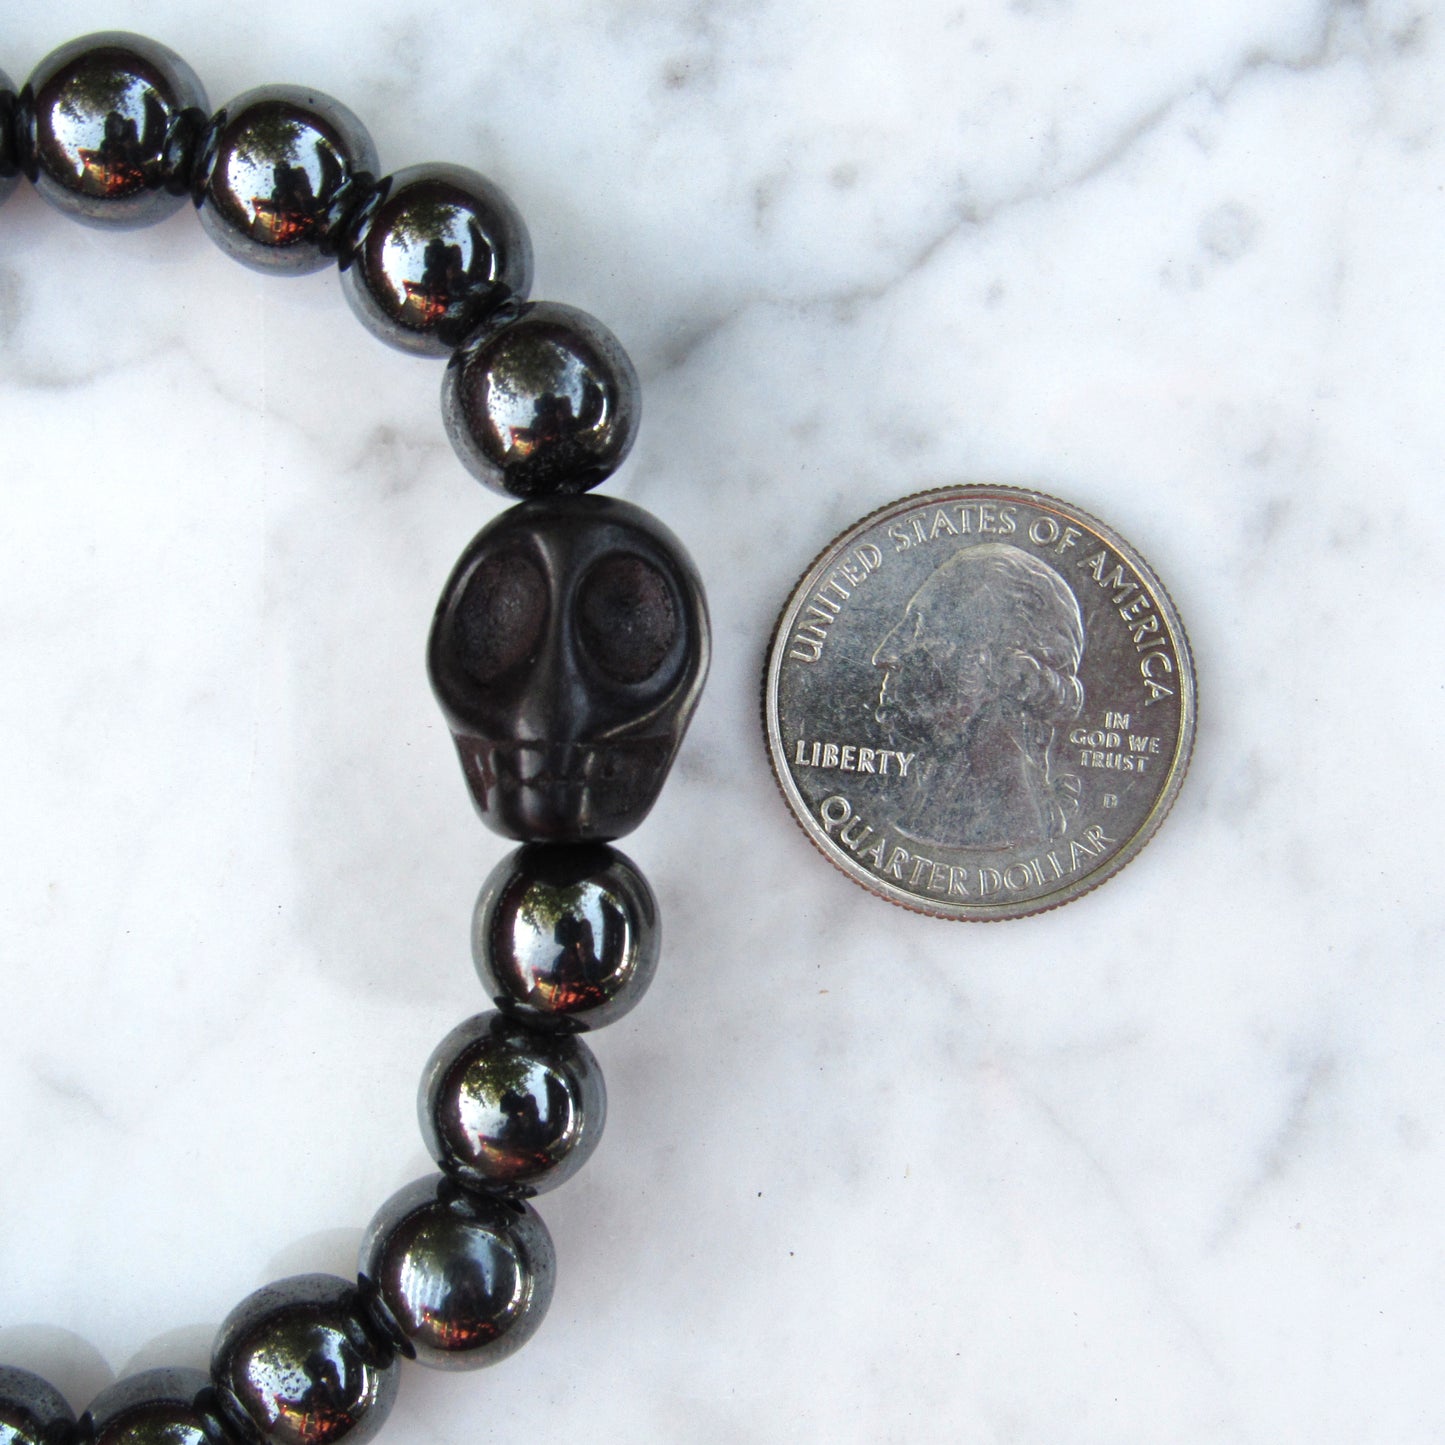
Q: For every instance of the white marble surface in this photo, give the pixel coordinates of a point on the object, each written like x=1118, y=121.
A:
x=1164, y=1166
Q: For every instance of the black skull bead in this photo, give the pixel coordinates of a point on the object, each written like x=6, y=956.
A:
x=568, y=652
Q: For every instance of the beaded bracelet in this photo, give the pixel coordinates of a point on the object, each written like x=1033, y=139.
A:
x=567, y=652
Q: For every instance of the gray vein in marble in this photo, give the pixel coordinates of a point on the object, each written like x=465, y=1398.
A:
x=1156, y=1272
x=1226, y=234
x=77, y=1096
x=1316, y=1075
x=383, y=450
x=12, y=302
x=26, y=376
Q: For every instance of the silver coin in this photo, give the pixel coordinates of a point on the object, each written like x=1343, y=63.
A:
x=979, y=702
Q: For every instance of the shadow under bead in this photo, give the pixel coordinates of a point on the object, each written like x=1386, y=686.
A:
x=157, y=1407
x=301, y=1363
x=286, y=170
x=566, y=938
x=465, y=1279
x=106, y=120
x=32, y=1410
x=568, y=652
x=541, y=402
x=508, y=1110
x=441, y=250
x=9, y=160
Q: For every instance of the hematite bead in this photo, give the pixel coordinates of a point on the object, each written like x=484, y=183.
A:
x=566, y=937
x=157, y=1407
x=545, y=401
x=304, y=1366
x=32, y=1411
x=440, y=252
x=288, y=167
x=510, y=1111
x=103, y=116
x=466, y=1279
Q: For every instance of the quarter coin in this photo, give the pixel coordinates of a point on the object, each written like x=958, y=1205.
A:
x=979, y=702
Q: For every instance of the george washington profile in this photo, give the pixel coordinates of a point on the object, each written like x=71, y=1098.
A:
x=979, y=673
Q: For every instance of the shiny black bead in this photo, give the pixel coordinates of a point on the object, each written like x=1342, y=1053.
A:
x=545, y=401
x=465, y=1279
x=440, y=252
x=157, y=1407
x=510, y=1111
x=9, y=156
x=566, y=937
x=304, y=1364
x=32, y=1411
x=568, y=652
x=103, y=116
x=286, y=169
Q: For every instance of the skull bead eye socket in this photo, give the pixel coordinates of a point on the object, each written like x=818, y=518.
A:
x=627, y=618
x=501, y=615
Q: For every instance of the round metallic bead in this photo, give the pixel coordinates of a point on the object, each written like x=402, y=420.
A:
x=157, y=1407
x=541, y=401
x=108, y=117
x=287, y=169
x=565, y=936
x=510, y=1111
x=465, y=1279
x=9, y=157
x=32, y=1411
x=440, y=252
x=300, y=1363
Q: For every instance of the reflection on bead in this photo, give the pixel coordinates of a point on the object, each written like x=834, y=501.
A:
x=545, y=401
x=566, y=936
x=158, y=1407
x=439, y=253
x=288, y=169
x=465, y=1279
x=32, y=1411
x=510, y=1111
x=106, y=114
x=301, y=1363
x=9, y=161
